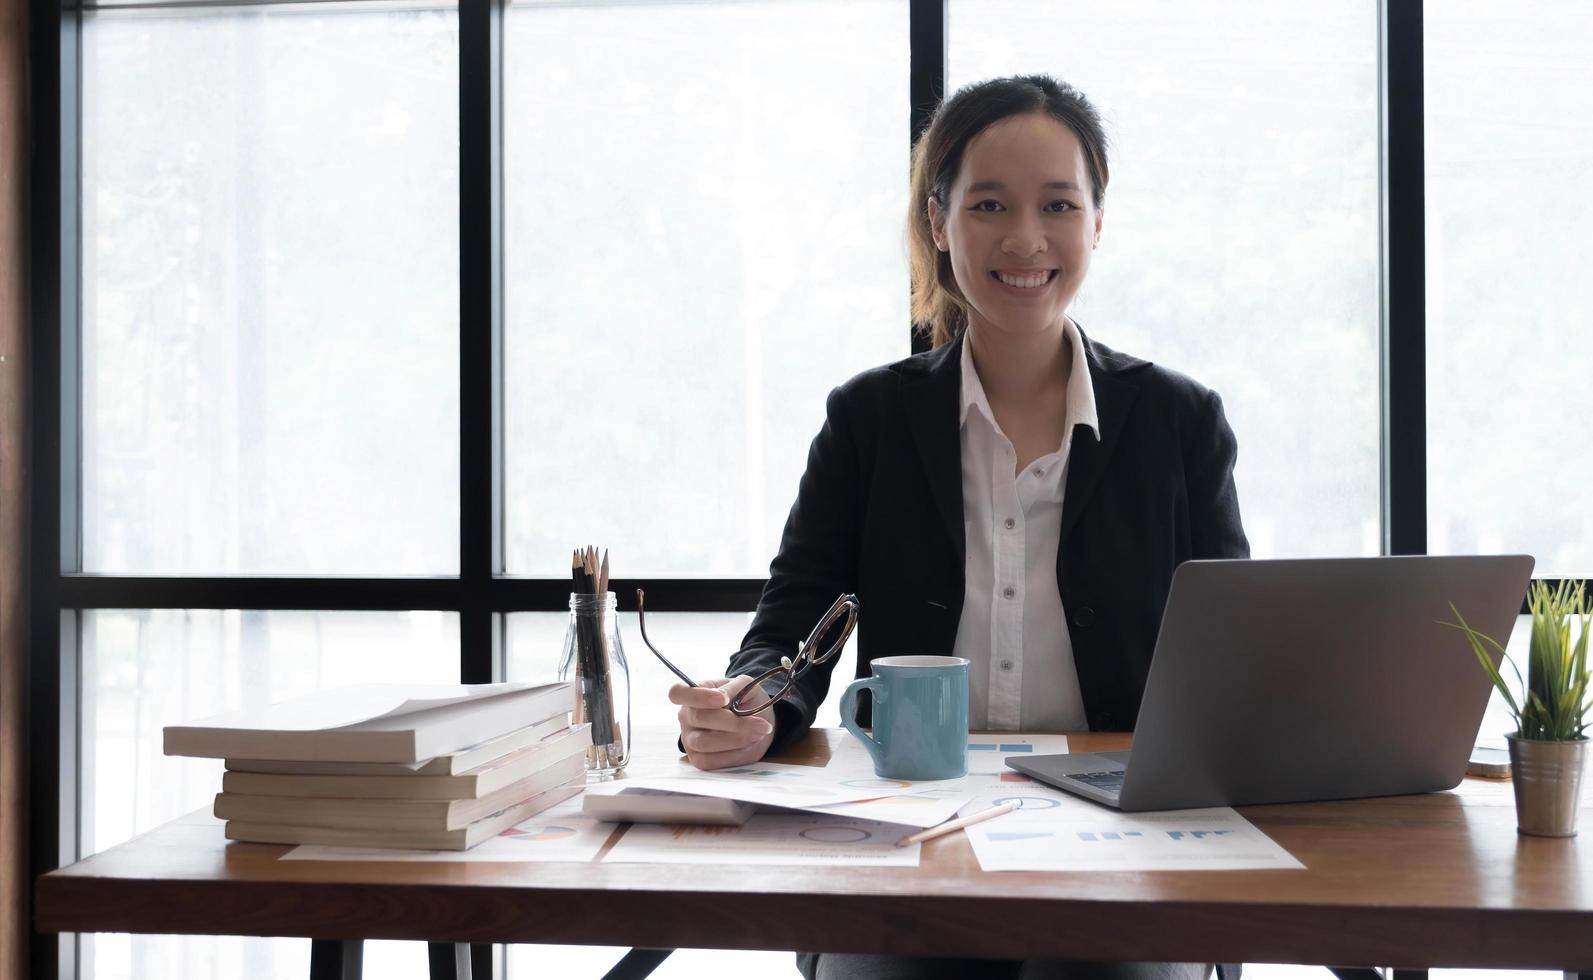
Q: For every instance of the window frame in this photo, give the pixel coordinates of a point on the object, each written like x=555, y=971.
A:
x=480, y=594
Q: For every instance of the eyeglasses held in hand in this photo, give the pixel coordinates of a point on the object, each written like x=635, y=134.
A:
x=782, y=679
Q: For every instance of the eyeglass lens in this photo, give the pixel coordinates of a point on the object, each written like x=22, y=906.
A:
x=845, y=605
x=756, y=696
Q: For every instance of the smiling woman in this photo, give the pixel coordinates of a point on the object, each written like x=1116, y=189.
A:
x=1018, y=497
x=1019, y=171
x=1023, y=223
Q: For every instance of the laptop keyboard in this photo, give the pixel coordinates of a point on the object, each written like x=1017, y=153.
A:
x=1108, y=782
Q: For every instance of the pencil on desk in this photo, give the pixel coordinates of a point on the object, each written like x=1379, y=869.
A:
x=952, y=825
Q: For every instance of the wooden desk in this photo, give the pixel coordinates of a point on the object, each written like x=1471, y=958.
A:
x=1421, y=881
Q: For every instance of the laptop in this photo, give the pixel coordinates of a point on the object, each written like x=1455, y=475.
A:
x=1305, y=679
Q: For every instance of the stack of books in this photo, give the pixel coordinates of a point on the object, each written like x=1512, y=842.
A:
x=436, y=768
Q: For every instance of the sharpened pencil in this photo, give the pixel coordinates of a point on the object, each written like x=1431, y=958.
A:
x=951, y=825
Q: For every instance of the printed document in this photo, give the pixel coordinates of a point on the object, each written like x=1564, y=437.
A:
x=1053, y=831
x=913, y=804
x=847, y=785
x=771, y=784
x=770, y=839
x=987, y=753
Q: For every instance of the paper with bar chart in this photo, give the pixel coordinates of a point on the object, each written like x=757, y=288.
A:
x=987, y=753
x=1052, y=831
x=560, y=833
x=769, y=839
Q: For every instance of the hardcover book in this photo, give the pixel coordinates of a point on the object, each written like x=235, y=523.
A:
x=447, y=764
x=427, y=840
x=360, y=814
x=371, y=723
x=479, y=782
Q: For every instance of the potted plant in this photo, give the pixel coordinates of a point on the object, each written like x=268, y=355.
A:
x=1548, y=746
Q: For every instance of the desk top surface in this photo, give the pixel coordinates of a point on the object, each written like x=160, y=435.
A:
x=1440, y=879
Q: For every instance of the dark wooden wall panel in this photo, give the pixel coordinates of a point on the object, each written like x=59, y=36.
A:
x=13, y=488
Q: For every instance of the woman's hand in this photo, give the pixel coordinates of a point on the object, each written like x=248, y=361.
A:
x=713, y=736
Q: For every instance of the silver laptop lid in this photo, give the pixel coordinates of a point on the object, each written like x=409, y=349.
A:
x=1313, y=679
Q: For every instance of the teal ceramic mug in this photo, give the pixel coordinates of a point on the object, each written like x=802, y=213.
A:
x=920, y=716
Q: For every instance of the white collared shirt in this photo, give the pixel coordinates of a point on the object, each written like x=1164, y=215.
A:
x=1013, y=628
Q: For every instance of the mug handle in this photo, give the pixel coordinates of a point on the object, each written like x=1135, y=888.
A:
x=849, y=714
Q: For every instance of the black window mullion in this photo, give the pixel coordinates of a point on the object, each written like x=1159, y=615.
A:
x=497, y=595
x=480, y=331
x=1404, y=275
x=926, y=28
x=926, y=84
x=259, y=593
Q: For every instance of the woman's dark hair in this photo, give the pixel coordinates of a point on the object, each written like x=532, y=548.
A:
x=938, y=306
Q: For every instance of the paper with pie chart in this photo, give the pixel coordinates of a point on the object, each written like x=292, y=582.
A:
x=914, y=804
x=849, y=787
x=1052, y=831
x=843, y=788
x=769, y=839
x=559, y=833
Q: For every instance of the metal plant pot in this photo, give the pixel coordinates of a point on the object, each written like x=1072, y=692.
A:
x=1548, y=782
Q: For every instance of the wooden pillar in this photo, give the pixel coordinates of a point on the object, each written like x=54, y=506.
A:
x=14, y=388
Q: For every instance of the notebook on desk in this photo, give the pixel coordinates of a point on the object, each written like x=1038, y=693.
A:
x=1305, y=679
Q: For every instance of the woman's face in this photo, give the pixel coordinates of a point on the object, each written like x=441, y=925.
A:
x=1020, y=223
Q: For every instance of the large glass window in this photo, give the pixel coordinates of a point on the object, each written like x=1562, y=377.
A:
x=704, y=207
x=1240, y=242
x=1508, y=151
x=270, y=292
x=703, y=204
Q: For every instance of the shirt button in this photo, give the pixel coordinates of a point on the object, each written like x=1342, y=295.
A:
x=1008, y=592
x=1006, y=665
x=1039, y=472
x=1009, y=523
x=1083, y=616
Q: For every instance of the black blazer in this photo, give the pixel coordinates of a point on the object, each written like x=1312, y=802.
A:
x=879, y=513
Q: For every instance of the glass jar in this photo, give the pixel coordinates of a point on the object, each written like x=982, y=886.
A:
x=594, y=660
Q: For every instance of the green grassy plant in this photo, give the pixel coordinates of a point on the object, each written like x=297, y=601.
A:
x=1556, y=703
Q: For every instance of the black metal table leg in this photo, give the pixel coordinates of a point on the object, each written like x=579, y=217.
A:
x=449, y=961
x=486, y=961
x=336, y=959
x=637, y=963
